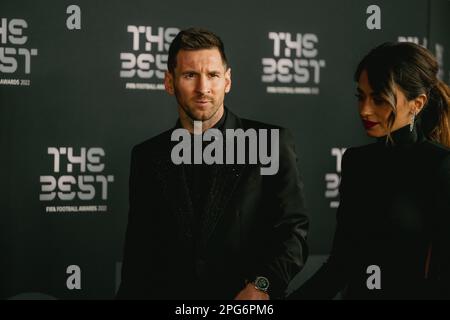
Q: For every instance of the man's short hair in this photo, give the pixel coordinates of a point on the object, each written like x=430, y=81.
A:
x=194, y=39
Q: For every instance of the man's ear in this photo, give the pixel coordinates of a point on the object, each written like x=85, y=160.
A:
x=419, y=102
x=228, y=80
x=168, y=83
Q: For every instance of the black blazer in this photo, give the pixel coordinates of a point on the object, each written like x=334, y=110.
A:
x=254, y=225
x=394, y=213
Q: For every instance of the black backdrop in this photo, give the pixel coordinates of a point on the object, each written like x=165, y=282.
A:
x=80, y=84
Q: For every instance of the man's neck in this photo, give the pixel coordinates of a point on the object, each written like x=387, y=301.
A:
x=188, y=123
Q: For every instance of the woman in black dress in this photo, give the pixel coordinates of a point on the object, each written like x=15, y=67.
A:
x=392, y=239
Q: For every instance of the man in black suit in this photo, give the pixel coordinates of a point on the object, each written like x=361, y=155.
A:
x=210, y=231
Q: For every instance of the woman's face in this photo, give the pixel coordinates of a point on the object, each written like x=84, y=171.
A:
x=375, y=111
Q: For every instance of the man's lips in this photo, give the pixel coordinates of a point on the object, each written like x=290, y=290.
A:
x=202, y=101
x=369, y=124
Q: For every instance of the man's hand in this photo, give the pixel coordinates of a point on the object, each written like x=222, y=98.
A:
x=251, y=293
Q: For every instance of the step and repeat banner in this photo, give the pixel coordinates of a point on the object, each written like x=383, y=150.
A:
x=81, y=83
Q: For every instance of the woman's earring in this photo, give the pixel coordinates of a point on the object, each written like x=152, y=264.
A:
x=411, y=124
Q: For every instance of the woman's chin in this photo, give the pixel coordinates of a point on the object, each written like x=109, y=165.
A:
x=374, y=133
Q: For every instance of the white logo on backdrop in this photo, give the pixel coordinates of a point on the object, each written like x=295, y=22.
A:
x=144, y=65
x=333, y=179
x=15, y=55
x=414, y=39
x=294, y=67
x=439, y=53
x=64, y=185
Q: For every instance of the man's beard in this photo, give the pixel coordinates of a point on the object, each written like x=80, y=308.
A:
x=193, y=117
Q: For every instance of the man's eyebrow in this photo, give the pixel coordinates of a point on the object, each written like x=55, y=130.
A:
x=189, y=71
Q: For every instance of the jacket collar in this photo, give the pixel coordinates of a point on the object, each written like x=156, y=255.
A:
x=403, y=137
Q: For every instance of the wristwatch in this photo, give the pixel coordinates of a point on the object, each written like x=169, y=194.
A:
x=261, y=284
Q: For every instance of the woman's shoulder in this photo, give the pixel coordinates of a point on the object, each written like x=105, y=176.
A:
x=435, y=149
x=437, y=156
x=435, y=153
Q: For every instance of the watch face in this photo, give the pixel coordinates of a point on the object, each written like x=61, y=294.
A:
x=262, y=283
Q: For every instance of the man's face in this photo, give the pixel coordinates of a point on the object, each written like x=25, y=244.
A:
x=199, y=83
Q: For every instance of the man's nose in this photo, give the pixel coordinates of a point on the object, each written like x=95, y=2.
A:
x=203, y=85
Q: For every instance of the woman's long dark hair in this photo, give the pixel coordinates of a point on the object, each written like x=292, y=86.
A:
x=414, y=70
